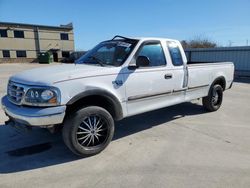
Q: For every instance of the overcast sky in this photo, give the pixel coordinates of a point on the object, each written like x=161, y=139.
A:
x=223, y=21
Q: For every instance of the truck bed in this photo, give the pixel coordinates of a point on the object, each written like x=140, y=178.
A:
x=203, y=62
x=201, y=73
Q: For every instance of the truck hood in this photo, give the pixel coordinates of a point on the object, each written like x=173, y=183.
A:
x=50, y=75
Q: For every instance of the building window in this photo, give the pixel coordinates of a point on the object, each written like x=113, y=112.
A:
x=6, y=53
x=65, y=54
x=3, y=33
x=21, y=53
x=64, y=36
x=18, y=34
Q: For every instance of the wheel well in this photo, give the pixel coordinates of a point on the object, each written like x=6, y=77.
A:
x=97, y=100
x=221, y=81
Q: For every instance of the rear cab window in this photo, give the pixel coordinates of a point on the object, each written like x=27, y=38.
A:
x=175, y=53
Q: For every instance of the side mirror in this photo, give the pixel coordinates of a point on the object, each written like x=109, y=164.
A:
x=142, y=61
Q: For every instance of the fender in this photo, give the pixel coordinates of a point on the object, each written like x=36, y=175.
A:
x=220, y=79
x=116, y=104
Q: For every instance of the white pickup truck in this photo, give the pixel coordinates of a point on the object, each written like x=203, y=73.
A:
x=118, y=78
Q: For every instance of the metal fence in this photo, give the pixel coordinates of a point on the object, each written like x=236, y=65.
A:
x=240, y=56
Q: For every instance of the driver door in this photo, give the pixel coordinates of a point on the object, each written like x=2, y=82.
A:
x=148, y=87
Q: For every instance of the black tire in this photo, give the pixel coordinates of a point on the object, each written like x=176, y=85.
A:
x=214, y=99
x=91, y=123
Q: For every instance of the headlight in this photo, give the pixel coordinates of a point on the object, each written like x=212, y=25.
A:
x=42, y=97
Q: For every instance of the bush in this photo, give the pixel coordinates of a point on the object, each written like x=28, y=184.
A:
x=199, y=42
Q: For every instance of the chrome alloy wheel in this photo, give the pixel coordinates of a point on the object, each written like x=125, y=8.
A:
x=93, y=131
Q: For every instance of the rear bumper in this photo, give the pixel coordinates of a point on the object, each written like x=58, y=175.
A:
x=34, y=116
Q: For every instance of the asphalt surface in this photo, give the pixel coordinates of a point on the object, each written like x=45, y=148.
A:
x=179, y=146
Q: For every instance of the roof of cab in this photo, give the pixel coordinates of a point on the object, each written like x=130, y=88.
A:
x=145, y=38
x=153, y=38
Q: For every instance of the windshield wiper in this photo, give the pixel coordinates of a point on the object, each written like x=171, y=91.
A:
x=100, y=62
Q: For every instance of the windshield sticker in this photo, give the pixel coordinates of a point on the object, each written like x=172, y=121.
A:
x=123, y=44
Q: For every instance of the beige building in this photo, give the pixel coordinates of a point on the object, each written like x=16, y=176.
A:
x=22, y=42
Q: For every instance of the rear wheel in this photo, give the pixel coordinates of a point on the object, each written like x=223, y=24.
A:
x=88, y=131
x=214, y=99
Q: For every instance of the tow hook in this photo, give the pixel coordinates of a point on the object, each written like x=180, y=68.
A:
x=17, y=126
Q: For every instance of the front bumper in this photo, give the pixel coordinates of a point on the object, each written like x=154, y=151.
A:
x=34, y=116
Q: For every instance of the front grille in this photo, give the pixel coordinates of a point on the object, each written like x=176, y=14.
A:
x=15, y=92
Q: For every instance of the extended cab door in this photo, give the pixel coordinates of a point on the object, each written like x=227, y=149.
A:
x=150, y=87
x=179, y=66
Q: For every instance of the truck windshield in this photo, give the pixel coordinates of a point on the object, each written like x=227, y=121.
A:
x=109, y=53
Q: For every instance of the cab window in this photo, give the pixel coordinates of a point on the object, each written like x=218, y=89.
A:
x=175, y=53
x=154, y=52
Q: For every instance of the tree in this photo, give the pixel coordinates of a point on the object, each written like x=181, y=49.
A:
x=199, y=42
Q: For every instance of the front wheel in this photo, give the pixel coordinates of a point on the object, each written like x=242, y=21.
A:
x=88, y=131
x=214, y=99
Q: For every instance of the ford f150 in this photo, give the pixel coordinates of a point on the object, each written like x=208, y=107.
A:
x=118, y=78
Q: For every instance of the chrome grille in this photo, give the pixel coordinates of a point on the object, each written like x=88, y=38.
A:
x=15, y=92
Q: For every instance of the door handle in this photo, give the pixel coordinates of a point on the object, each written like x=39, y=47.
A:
x=168, y=76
